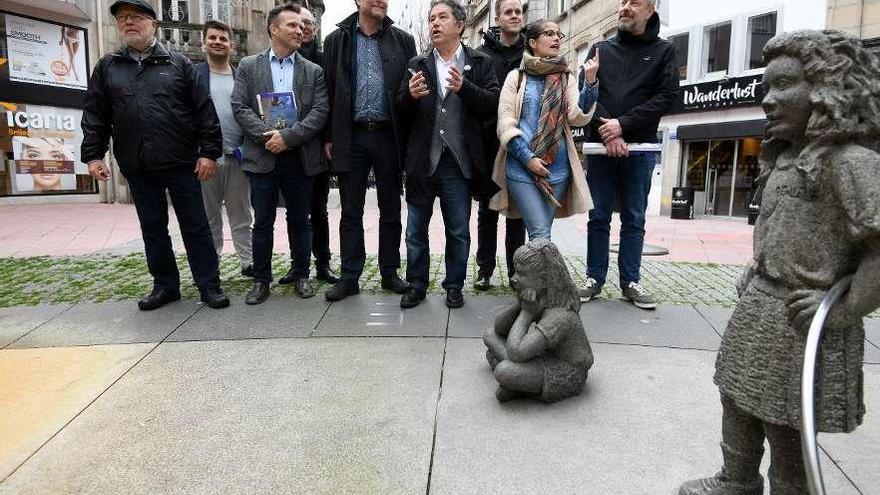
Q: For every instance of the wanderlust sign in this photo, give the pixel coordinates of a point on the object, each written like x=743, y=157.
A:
x=720, y=95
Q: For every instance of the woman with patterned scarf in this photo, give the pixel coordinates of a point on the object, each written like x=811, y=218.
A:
x=537, y=168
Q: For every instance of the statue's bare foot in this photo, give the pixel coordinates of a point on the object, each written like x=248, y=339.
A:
x=505, y=394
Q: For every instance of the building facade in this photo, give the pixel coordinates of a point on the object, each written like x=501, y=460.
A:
x=857, y=17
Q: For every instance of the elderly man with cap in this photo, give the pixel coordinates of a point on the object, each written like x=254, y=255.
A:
x=166, y=138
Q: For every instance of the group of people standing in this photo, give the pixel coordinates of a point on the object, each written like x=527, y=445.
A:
x=453, y=123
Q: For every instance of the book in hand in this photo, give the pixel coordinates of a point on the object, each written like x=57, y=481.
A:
x=278, y=109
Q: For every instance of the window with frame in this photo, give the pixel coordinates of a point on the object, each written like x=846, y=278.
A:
x=716, y=48
x=680, y=42
x=761, y=29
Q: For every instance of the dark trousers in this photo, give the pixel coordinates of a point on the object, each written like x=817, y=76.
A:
x=453, y=189
x=631, y=178
x=296, y=187
x=374, y=150
x=148, y=190
x=318, y=217
x=487, y=239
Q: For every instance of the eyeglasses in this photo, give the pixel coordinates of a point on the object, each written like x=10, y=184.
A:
x=551, y=33
x=308, y=23
x=123, y=18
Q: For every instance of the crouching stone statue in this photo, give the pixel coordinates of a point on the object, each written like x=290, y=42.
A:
x=538, y=348
x=819, y=222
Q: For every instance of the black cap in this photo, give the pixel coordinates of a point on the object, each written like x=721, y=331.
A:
x=138, y=4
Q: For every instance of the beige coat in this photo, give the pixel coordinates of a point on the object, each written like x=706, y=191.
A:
x=577, y=198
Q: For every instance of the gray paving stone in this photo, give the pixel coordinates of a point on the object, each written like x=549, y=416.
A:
x=381, y=316
x=716, y=316
x=259, y=416
x=856, y=452
x=19, y=320
x=279, y=316
x=110, y=323
x=619, y=322
x=476, y=315
x=649, y=420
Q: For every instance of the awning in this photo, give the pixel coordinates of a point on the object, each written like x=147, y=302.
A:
x=722, y=130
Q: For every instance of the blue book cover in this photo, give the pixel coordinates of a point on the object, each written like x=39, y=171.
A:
x=278, y=109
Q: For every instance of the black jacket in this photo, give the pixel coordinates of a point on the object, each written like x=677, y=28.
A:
x=311, y=53
x=156, y=111
x=638, y=83
x=397, y=48
x=504, y=59
x=479, y=93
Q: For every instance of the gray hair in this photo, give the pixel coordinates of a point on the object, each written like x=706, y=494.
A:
x=458, y=11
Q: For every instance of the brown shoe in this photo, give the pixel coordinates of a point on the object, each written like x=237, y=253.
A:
x=304, y=289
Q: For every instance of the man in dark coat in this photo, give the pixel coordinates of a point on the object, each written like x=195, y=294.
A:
x=450, y=95
x=638, y=84
x=166, y=138
x=365, y=59
x=505, y=44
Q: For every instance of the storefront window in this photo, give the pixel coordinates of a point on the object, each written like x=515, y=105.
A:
x=761, y=29
x=680, y=42
x=722, y=173
x=716, y=48
x=746, y=174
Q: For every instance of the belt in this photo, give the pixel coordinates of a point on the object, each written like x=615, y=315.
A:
x=373, y=126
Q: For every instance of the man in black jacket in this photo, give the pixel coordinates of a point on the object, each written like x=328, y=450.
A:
x=505, y=44
x=450, y=95
x=365, y=59
x=166, y=137
x=638, y=83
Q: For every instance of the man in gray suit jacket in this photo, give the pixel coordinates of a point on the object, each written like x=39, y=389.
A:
x=285, y=158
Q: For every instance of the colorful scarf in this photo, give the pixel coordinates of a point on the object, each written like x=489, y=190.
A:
x=551, y=128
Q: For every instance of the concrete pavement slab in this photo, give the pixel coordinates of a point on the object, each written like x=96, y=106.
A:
x=381, y=316
x=42, y=389
x=19, y=320
x=857, y=452
x=619, y=322
x=476, y=315
x=716, y=316
x=110, y=323
x=278, y=316
x=872, y=334
x=259, y=416
x=648, y=420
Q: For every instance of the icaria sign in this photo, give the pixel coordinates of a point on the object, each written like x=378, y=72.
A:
x=727, y=93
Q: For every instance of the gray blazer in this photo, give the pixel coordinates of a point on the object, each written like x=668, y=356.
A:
x=254, y=77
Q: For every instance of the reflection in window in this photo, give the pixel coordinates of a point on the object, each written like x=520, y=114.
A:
x=716, y=48
x=761, y=29
x=680, y=42
x=695, y=167
x=216, y=9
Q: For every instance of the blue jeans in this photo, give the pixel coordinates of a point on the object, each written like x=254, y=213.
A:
x=536, y=213
x=453, y=189
x=296, y=187
x=148, y=190
x=631, y=177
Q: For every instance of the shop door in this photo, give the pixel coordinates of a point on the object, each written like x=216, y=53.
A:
x=710, y=171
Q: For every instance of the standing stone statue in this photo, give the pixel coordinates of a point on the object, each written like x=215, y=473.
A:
x=538, y=348
x=819, y=221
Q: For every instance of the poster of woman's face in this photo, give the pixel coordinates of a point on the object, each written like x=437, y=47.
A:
x=43, y=164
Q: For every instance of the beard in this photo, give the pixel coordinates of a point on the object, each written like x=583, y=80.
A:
x=627, y=26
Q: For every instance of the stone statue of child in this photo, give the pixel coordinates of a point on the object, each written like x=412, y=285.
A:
x=538, y=347
x=819, y=221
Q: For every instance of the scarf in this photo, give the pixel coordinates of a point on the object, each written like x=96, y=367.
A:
x=551, y=129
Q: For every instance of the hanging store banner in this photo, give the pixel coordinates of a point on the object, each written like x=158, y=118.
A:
x=46, y=54
x=720, y=95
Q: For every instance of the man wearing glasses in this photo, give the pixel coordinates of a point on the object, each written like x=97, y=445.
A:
x=166, y=138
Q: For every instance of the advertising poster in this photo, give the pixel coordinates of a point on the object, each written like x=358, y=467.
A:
x=41, y=147
x=46, y=54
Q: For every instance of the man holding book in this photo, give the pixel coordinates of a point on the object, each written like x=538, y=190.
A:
x=280, y=102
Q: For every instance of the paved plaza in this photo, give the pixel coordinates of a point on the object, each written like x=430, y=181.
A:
x=358, y=396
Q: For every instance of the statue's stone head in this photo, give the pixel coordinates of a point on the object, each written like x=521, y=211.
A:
x=821, y=87
x=541, y=276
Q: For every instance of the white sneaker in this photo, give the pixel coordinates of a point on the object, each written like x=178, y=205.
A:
x=638, y=295
x=590, y=290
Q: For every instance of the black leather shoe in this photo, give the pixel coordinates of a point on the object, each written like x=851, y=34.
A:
x=412, y=298
x=303, y=288
x=214, y=298
x=289, y=278
x=395, y=284
x=483, y=283
x=454, y=299
x=157, y=299
x=341, y=290
x=258, y=293
x=248, y=271
x=325, y=273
